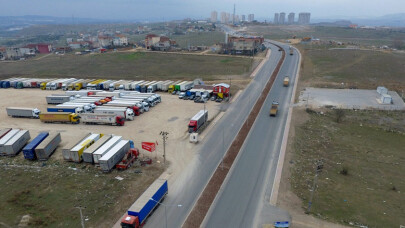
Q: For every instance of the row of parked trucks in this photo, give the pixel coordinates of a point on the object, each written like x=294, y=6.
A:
x=106, y=151
x=98, y=84
x=12, y=141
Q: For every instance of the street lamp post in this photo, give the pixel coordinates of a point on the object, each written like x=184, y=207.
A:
x=166, y=205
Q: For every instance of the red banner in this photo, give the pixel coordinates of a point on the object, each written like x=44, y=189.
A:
x=149, y=146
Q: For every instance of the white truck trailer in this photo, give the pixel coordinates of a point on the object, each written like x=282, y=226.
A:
x=23, y=112
x=105, y=148
x=115, y=155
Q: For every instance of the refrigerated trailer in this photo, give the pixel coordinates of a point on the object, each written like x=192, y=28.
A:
x=88, y=153
x=114, y=156
x=44, y=150
x=127, y=113
x=145, y=204
x=23, y=112
x=102, y=118
x=16, y=143
x=197, y=121
x=105, y=148
x=58, y=99
x=66, y=149
x=29, y=149
x=6, y=138
x=77, y=151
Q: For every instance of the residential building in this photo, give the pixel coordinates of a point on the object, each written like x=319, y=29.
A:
x=251, y=17
x=13, y=53
x=291, y=18
x=28, y=50
x=120, y=40
x=243, y=45
x=79, y=44
x=159, y=43
x=40, y=48
x=3, y=53
x=243, y=18
x=304, y=18
x=275, y=20
x=281, y=19
x=228, y=18
x=105, y=41
x=223, y=18
x=214, y=16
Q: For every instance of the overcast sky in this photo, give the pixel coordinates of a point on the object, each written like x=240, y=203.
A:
x=178, y=9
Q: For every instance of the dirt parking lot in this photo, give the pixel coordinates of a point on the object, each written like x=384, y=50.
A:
x=34, y=186
x=171, y=115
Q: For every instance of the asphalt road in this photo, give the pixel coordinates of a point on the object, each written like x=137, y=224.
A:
x=186, y=189
x=244, y=196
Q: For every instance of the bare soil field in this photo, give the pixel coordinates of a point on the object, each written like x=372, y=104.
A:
x=361, y=181
x=49, y=191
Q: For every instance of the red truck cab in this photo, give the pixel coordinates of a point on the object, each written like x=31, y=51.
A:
x=192, y=126
x=120, y=120
x=136, y=110
x=129, y=221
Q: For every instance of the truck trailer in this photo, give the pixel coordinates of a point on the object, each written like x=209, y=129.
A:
x=105, y=148
x=65, y=109
x=114, y=156
x=58, y=99
x=145, y=205
x=4, y=132
x=44, y=150
x=286, y=81
x=127, y=113
x=16, y=143
x=59, y=117
x=23, y=112
x=88, y=153
x=102, y=118
x=66, y=149
x=6, y=138
x=29, y=149
x=197, y=121
x=77, y=151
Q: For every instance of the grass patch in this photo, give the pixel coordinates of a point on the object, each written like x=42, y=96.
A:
x=362, y=177
x=356, y=68
x=146, y=66
x=49, y=194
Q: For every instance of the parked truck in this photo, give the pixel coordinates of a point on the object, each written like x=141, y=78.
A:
x=145, y=204
x=286, y=81
x=105, y=148
x=197, y=121
x=77, y=151
x=102, y=118
x=23, y=112
x=58, y=99
x=45, y=149
x=186, y=86
x=274, y=108
x=127, y=113
x=133, y=107
x=88, y=153
x=66, y=109
x=114, y=156
x=16, y=143
x=128, y=159
x=29, y=149
x=59, y=117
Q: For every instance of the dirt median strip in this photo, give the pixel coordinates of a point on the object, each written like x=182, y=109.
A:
x=206, y=198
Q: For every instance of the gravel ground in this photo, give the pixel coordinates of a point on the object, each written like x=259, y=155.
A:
x=349, y=99
x=172, y=115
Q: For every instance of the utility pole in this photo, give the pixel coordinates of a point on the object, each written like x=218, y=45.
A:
x=164, y=137
x=81, y=215
x=223, y=148
x=319, y=168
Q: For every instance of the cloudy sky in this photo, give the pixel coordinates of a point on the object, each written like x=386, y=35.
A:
x=178, y=9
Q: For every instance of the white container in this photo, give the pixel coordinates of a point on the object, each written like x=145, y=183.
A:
x=115, y=155
x=105, y=148
x=16, y=143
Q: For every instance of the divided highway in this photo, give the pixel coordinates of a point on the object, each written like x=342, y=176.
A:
x=243, y=200
x=186, y=189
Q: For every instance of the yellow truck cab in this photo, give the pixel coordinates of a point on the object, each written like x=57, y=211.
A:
x=286, y=81
x=43, y=85
x=274, y=108
x=78, y=86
